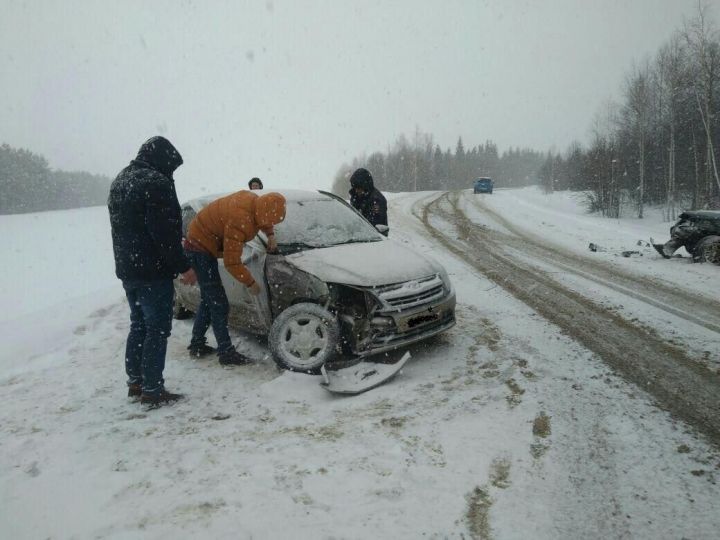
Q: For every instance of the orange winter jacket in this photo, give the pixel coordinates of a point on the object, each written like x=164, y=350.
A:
x=224, y=225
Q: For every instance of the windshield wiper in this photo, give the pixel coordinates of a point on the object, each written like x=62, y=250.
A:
x=295, y=246
x=357, y=241
x=292, y=247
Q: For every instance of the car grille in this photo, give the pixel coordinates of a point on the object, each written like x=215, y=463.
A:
x=411, y=293
x=385, y=339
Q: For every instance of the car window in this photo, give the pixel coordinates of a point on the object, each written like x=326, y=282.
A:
x=323, y=223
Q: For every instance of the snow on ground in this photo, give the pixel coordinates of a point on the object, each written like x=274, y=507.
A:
x=58, y=267
x=561, y=218
x=50, y=257
x=500, y=428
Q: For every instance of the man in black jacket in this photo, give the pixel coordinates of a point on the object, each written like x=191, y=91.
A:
x=147, y=243
x=367, y=199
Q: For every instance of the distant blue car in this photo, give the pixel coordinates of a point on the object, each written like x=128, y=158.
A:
x=483, y=185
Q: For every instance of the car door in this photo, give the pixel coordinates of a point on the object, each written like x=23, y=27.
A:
x=246, y=310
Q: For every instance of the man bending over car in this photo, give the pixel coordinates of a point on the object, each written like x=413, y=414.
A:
x=221, y=229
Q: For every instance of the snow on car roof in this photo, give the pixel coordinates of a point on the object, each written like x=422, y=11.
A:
x=291, y=195
x=701, y=214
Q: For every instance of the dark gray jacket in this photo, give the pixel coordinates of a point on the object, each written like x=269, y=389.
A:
x=367, y=199
x=145, y=215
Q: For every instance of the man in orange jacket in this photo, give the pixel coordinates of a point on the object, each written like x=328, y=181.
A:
x=221, y=230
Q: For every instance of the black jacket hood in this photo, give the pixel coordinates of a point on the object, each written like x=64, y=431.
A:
x=160, y=154
x=362, y=179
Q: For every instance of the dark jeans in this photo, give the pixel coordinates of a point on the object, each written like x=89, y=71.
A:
x=214, y=306
x=151, y=304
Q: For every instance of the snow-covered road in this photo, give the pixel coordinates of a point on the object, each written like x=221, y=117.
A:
x=683, y=382
x=504, y=427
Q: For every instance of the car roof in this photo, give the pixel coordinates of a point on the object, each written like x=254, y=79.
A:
x=291, y=195
x=701, y=214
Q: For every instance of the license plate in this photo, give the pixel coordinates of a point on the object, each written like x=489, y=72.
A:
x=422, y=319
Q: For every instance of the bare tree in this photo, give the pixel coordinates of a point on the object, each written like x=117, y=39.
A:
x=671, y=79
x=701, y=37
x=639, y=98
x=601, y=166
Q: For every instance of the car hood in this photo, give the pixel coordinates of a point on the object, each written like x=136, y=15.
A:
x=365, y=264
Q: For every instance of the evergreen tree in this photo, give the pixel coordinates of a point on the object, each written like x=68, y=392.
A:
x=27, y=184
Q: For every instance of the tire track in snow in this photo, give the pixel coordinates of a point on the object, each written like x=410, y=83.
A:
x=679, y=384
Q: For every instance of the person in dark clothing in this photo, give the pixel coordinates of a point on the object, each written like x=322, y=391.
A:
x=255, y=183
x=367, y=199
x=146, y=226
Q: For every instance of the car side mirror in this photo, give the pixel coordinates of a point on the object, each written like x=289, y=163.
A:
x=382, y=228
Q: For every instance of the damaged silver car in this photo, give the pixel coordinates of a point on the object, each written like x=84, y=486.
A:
x=335, y=285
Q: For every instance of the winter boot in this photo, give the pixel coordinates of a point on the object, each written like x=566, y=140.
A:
x=159, y=399
x=233, y=358
x=201, y=349
x=134, y=390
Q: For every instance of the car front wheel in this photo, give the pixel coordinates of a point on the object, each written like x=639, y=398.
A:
x=304, y=337
x=708, y=250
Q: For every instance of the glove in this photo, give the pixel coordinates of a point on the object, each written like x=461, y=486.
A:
x=254, y=288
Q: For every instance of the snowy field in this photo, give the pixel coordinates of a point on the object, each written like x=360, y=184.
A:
x=503, y=427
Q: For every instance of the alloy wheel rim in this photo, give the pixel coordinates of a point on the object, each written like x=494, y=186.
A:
x=304, y=339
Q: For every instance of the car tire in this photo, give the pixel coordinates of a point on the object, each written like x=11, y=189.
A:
x=303, y=337
x=708, y=249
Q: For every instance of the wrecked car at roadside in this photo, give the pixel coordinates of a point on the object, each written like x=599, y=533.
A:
x=698, y=232
x=335, y=284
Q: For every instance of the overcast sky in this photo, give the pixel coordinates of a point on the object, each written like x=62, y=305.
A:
x=289, y=90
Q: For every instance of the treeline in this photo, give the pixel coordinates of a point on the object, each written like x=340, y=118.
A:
x=422, y=165
x=658, y=145
x=27, y=184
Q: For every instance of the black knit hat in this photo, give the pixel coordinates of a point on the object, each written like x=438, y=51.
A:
x=362, y=179
x=255, y=181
